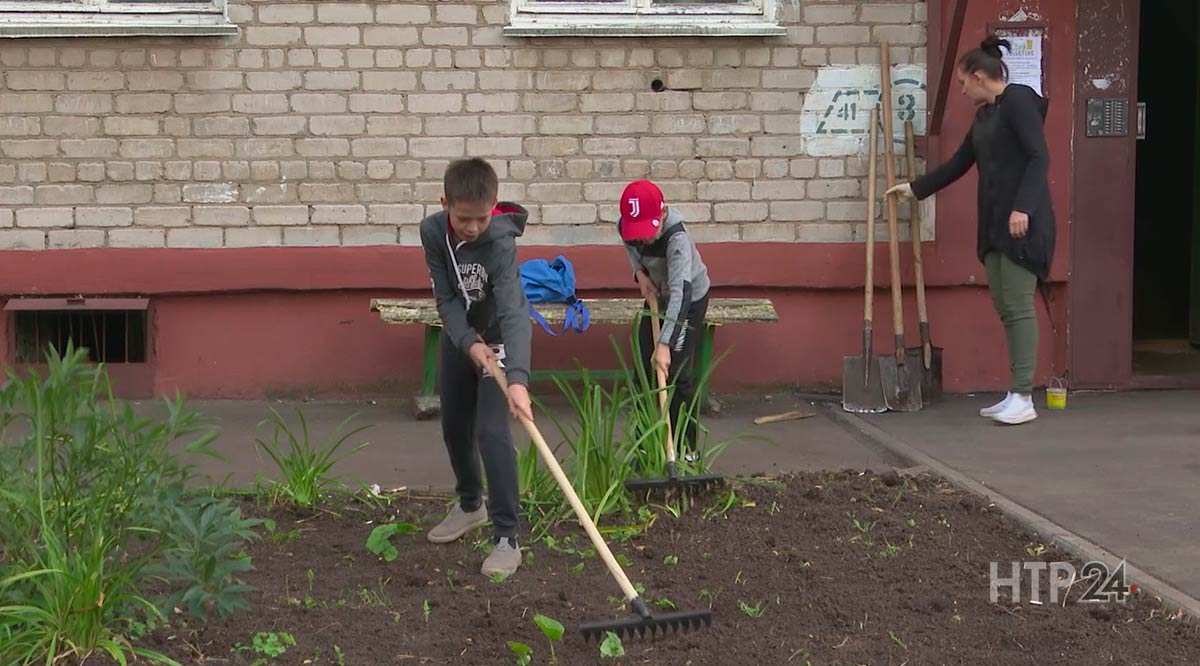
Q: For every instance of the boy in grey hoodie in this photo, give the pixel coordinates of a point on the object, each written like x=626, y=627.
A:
x=470, y=249
x=668, y=268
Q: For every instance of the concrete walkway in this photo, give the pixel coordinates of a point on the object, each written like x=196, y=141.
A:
x=1121, y=470
x=406, y=452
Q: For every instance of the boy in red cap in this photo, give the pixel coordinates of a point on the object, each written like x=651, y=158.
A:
x=668, y=269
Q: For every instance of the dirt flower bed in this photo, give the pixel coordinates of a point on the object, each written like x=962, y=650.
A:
x=835, y=568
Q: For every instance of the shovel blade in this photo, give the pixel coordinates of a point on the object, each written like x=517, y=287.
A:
x=857, y=397
x=901, y=384
x=931, y=377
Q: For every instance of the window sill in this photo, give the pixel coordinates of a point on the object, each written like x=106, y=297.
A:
x=583, y=26
x=113, y=26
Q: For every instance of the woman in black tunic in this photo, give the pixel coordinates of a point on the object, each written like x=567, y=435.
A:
x=1016, y=221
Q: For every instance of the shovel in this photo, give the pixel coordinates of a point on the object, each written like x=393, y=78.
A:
x=901, y=379
x=642, y=621
x=929, y=356
x=862, y=392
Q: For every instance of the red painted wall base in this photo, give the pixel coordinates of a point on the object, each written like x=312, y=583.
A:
x=320, y=338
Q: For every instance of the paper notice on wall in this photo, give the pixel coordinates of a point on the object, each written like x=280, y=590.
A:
x=1025, y=61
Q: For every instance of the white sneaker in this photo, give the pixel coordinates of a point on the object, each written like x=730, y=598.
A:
x=996, y=408
x=1019, y=410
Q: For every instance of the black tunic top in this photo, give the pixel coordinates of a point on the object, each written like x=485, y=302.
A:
x=1008, y=143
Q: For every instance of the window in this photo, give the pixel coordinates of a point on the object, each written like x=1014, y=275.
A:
x=113, y=330
x=114, y=18
x=642, y=18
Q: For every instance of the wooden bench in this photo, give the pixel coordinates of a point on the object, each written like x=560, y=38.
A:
x=721, y=311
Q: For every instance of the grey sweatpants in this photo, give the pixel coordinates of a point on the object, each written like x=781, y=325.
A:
x=475, y=425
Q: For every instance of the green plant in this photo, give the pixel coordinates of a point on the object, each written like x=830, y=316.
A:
x=673, y=508
x=309, y=602
x=889, y=550
x=379, y=541
x=648, y=426
x=339, y=656
x=205, y=553
x=270, y=644
x=724, y=503
x=611, y=646
x=523, y=652
x=896, y=639
x=279, y=538
x=426, y=610
x=369, y=597
x=754, y=611
x=304, y=468
x=598, y=464
x=552, y=629
x=671, y=560
x=665, y=604
x=863, y=527
x=94, y=506
x=372, y=496
x=541, y=498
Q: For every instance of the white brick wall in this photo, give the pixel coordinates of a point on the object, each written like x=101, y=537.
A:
x=331, y=123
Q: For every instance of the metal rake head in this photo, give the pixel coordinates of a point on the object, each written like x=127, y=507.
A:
x=699, y=483
x=637, y=626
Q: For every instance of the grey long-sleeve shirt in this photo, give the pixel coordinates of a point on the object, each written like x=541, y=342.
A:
x=674, y=265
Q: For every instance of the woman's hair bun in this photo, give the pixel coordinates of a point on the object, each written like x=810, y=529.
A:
x=991, y=46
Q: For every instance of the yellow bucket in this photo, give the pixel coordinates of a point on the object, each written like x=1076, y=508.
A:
x=1056, y=395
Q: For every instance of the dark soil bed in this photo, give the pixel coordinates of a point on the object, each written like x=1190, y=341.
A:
x=908, y=584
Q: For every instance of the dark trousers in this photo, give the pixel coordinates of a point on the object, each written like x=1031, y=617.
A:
x=682, y=369
x=475, y=425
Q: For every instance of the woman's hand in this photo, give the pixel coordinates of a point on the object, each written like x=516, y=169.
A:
x=902, y=190
x=1018, y=224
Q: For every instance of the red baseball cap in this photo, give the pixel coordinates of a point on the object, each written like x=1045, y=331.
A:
x=641, y=211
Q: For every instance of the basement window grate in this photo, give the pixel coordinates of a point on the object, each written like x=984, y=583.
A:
x=113, y=330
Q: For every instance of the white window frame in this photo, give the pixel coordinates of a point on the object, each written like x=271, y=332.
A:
x=114, y=18
x=642, y=18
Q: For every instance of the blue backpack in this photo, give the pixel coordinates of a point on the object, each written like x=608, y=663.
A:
x=547, y=281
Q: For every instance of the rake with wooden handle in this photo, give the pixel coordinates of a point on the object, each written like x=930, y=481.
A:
x=642, y=621
x=673, y=480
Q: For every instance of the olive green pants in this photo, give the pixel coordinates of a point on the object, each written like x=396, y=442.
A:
x=1012, y=287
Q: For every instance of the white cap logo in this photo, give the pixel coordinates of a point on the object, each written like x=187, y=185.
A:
x=635, y=207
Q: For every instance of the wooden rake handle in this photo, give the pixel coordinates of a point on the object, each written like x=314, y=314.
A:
x=564, y=484
x=662, y=381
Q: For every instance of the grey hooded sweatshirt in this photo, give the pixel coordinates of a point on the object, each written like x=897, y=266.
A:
x=478, y=286
x=674, y=266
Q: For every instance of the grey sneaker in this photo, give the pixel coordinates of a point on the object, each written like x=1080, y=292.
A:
x=504, y=559
x=457, y=523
